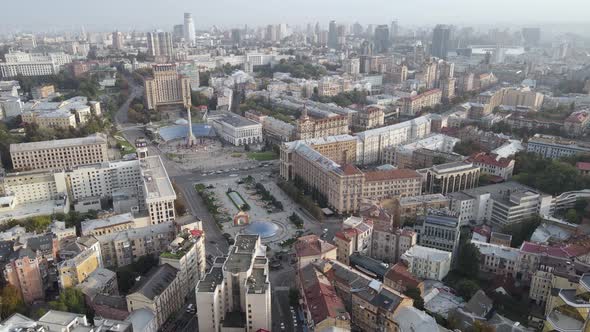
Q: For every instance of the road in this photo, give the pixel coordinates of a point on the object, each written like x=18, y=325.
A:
x=135, y=91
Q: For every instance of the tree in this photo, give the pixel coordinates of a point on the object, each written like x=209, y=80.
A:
x=467, y=288
x=572, y=216
x=70, y=300
x=12, y=301
x=479, y=326
x=522, y=231
x=414, y=293
x=468, y=261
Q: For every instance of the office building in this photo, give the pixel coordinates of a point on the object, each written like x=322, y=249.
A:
x=439, y=230
x=74, y=112
x=412, y=155
x=189, y=29
x=235, y=129
x=501, y=204
x=160, y=291
x=382, y=39
x=33, y=186
x=451, y=177
x=427, y=263
x=414, y=207
x=235, y=294
x=167, y=88
x=160, y=45
x=531, y=36
x=118, y=40
x=441, y=41
x=414, y=104
x=108, y=225
x=33, y=64
x=352, y=66
x=117, y=250
x=333, y=35
x=555, y=147
x=187, y=254
x=59, y=154
x=498, y=259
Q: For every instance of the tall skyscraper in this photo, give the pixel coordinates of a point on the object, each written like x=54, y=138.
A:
x=531, y=36
x=178, y=32
x=189, y=28
x=394, y=30
x=236, y=36
x=333, y=35
x=159, y=44
x=117, y=40
x=441, y=40
x=382, y=38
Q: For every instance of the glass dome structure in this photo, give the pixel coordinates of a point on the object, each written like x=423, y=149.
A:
x=265, y=229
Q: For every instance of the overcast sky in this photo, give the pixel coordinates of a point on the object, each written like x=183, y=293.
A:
x=144, y=14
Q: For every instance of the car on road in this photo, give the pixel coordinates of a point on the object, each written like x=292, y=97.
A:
x=191, y=308
x=282, y=326
x=233, y=175
x=219, y=172
x=204, y=174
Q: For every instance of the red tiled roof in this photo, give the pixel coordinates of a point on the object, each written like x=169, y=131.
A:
x=196, y=232
x=565, y=251
x=400, y=275
x=320, y=296
x=427, y=93
x=346, y=234
x=490, y=159
x=392, y=174
x=311, y=245
x=583, y=166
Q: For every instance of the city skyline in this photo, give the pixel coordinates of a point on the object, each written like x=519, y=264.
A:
x=52, y=17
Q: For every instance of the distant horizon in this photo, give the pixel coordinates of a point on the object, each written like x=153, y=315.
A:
x=129, y=15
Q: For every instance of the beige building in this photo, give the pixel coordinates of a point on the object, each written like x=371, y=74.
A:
x=355, y=237
x=311, y=248
x=371, y=117
x=75, y=270
x=331, y=86
x=167, y=87
x=497, y=259
x=59, y=154
x=109, y=225
x=307, y=127
x=410, y=208
x=43, y=91
x=568, y=309
x=235, y=294
x=414, y=104
x=123, y=248
x=160, y=291
x=32, y=186
x=187, y=254
x=427, y=263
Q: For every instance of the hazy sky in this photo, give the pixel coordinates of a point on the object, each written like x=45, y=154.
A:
x=143, y=14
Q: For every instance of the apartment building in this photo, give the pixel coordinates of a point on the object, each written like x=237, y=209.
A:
x=33, y=64
x=74, y=112
x=59, y=154
x=157, y=190
x=355, y=237
x=568, y=309
x=577, y=123
x=311, y=248
x=371, y=304
x=373, y=142
x=400, y=279
x=235, y=294
x=451, y=177
x=187, y=254
x=427, y=263
x=330, y=86
x=369, y=118
x=411, y=208
x=392, y=183
x=307, y=127
x=414, y=104
x=167, y=88
x=497, y=259
x=552, y=273
x=75, y=270
x=235, y=129
x=159, y=291
x=23, y=271
x=112, y=224
x=403, y=156
x=123, y=248
x=340, y=148
x=555, y=147
x=159, y=45
x=32, y=186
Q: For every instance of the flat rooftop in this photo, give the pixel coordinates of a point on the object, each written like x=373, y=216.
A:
x=422, y=199
x=235, y=120
x=257, y=282
x=156, y=181
x=90, y=225
x=211, y=280
x=60, y=143
x=242, y=253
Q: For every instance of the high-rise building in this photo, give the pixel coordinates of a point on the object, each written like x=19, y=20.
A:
x=531, y=36
x=189, y=28
x=118, y=40
x=382, y=38
x=236, y=36
x=167, y=87
x=235, y=293
x=441, y=41
x=394, y=30
x=178, y=32
x=159, y=44
x=23, y=271
x=333, y=35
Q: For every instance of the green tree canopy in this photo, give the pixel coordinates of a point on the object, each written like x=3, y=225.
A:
x=414, y=294
x=12, y=301
x=468, y=260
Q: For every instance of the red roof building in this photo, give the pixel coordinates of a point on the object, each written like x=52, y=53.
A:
x=311, y=248
x=399, y=278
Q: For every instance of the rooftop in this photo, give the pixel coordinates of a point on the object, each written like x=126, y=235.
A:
x=62, y=143
x=399, y=274
x=212, y=279
x=155, y=282
x=90, y=225
x=489, y=249
x=242, y=253
x=257, y=281
x=156, y=182
x=369, y=265
x=422, y=199
x=427, y=253
x=312, y=245
x=234, y=120
x=60, y=317
x=456, y=166
x=394, y=174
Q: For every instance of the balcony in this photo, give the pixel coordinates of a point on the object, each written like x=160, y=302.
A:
x=565, y=319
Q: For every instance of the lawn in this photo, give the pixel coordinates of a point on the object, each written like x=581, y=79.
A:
x=263, y=156
x=124, y=145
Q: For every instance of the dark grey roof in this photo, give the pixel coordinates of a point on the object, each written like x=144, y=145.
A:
x=479, y=305
x=41, y=242
x=6, y=249
x=113, y=301
x=22, y=253
x=369, y=264
x=156, y=281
